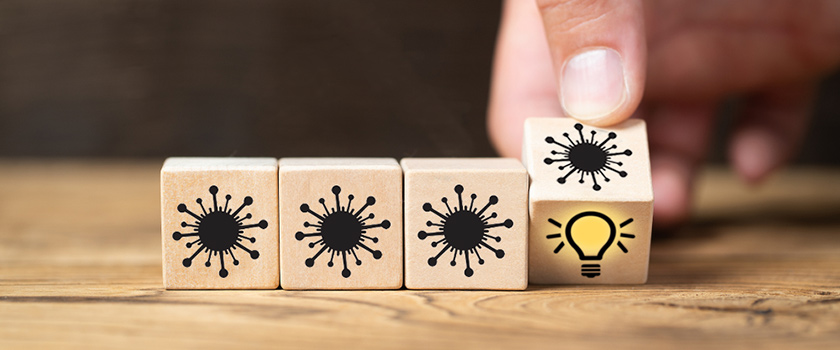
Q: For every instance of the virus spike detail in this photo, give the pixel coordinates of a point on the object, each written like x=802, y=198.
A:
x=219, y=232
x=464, y=231
x=341, y=231
x=587, y=157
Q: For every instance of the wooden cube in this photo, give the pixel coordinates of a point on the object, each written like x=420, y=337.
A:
x=340, y=223
x=219, y=223
x=466, y=223
x=591, y=202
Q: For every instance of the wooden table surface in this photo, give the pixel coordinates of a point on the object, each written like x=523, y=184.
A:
x=80, y=268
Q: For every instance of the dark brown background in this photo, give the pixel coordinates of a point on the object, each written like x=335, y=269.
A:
x=275, y=78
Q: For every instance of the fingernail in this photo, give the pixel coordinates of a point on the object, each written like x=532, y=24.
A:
x=592, y=84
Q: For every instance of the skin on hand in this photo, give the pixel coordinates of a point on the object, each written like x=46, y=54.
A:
x=593, y=60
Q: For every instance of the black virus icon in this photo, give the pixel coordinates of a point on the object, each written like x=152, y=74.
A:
x=464, y=230
x=590, y=234
x=587, y=157
x=219, y=231
x=342, y=231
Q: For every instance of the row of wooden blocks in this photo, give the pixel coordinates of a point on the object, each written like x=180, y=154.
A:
x=578, y=211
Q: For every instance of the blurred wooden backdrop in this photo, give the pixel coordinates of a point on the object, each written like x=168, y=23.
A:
x=153, y=78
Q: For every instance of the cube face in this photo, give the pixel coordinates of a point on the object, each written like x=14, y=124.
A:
x=588, y=163
x=591, y=202
x=466, y=224
x=340, y=223
x=219, y=223
x=582, y=242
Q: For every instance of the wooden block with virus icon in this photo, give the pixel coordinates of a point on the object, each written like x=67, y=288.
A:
x=340, y=223
x=591, y=202
x=466, y=223
x=219, y=223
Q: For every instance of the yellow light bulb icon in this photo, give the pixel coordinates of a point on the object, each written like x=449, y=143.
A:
x=590, y=234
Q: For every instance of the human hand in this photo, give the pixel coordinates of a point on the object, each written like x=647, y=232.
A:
x=686, y=56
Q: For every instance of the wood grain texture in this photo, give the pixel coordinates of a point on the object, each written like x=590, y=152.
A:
x=80, y=268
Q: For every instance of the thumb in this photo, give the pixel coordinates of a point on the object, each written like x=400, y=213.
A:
x=599, y=56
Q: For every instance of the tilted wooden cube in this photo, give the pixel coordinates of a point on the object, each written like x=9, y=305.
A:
x=591, y=202
x=219, y=223
x=466, y=223
x=340, y=223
